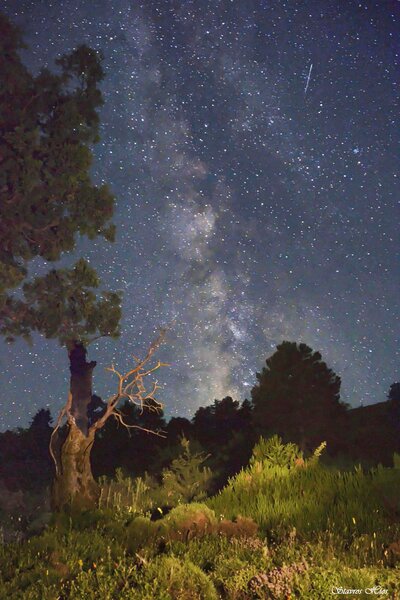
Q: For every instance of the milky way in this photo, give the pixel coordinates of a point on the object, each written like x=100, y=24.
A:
x=253, y=151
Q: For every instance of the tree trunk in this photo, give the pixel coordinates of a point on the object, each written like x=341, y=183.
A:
x=74, y=485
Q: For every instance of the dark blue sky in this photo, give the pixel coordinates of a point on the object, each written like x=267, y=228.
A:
x=253, y=151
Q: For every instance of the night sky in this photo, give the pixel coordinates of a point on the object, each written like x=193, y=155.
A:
x=252, y=147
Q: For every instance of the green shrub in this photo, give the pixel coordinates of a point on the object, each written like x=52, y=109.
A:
x=94, y=584
x=275, y=453
x=103, y=582
x=208, y=552
x=190, y=520
x=101, y=520
x=319, y=582
x=185, y=480
x=142, y=532
x=169, y=578
x=203, y=552
x=232, y=576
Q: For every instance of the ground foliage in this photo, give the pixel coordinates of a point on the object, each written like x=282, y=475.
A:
x=285, y=527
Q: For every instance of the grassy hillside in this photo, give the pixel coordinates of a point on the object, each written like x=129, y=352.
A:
x=284, y=527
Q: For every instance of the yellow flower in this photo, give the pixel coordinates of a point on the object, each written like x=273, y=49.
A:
x=80, y=563
x=353, y=519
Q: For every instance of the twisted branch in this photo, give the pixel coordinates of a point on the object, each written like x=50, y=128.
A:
x=131, y=386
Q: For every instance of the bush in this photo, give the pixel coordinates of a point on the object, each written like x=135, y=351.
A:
x=190, y=520
x=185, y=480
x=169, y=578
x=232, y=575
x=241, y=527
x=275, y=453
x=142, y=532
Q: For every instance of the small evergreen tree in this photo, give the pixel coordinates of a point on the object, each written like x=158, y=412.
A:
x=275, y=453
x=186, y=480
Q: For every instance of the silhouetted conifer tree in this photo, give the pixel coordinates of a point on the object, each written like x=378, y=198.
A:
x=297, y=397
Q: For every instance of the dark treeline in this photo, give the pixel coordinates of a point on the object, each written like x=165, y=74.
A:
x=296, y=396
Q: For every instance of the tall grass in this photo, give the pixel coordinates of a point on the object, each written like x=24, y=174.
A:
x=126, y=494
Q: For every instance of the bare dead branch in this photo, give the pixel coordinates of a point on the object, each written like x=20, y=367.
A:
x=119, y=418
x=131, y=386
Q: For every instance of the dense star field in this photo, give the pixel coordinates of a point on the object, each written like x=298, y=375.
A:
x=253, y=151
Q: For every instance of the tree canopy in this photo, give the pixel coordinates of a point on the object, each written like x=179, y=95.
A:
x=215, y=424
x=297, y=396
x=47, y=199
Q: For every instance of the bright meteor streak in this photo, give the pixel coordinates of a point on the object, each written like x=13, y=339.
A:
x=308, y=79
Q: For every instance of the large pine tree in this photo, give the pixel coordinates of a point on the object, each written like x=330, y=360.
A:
x=298, y=397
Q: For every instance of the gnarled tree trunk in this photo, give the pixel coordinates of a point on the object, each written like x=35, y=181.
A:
x=74, y=485
x=71, y=444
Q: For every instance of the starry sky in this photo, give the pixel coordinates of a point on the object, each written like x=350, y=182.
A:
x=252, y=147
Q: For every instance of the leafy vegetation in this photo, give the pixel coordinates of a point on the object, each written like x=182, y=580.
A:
x=279, y=496
x=184, y=480
x=284, y=527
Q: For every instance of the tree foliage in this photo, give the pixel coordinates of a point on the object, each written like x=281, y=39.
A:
x=216, y=423
x=47, y=199
x=186, y=480
x=297, y=396
x=275, y=453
